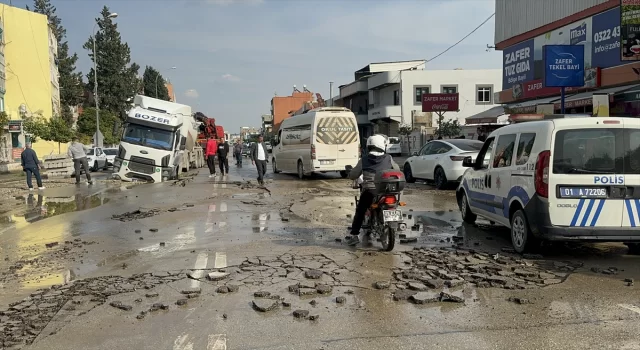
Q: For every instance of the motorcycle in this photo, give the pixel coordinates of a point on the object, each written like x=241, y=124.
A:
x=384, y=219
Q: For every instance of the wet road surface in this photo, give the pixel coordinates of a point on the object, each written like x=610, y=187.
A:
x=224, y=264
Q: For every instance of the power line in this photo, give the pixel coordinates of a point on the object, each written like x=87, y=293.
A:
x=461, y=40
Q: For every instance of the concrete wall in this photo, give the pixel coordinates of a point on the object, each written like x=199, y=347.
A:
x=467, y=82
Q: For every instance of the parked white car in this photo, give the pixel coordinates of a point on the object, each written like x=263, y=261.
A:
x=393, y=147
x=440, y=161
x=96, y=159
x=111, y=154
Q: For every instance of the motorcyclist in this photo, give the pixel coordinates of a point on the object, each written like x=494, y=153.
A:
x=374, y=161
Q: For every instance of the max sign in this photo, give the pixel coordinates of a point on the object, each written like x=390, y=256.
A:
x=440, y=103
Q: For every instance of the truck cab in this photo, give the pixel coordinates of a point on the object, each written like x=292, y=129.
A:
x=154, y=141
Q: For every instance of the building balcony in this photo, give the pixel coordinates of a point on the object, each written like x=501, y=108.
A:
x=383, y=79
x=386, y=112
x=356, y=87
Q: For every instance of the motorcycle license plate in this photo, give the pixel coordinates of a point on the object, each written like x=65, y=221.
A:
x=391, y=215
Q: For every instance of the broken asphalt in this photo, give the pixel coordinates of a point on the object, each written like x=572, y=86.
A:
x=223, y=263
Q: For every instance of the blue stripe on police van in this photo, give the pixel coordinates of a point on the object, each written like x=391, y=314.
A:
x=587, y=213
x=577, y=213
x=632, y=219
x=638, y=208
x=597, y=214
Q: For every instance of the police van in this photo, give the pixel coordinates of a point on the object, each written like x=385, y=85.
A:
x=319, y=140
x=559, y=179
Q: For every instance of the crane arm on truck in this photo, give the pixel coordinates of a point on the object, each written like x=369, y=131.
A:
x=208, y=128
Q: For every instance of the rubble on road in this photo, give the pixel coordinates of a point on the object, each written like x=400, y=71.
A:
x=434, y=268
x=136, y=215
x=264, y=305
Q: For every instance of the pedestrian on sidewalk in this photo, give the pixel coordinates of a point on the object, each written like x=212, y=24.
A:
x=223, y=153
x=237, y=152
x=259, y=158
x=210, y=153
x=31, y=166
x=78, y=152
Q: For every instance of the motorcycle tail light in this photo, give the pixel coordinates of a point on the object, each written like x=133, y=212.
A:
x=390, y=200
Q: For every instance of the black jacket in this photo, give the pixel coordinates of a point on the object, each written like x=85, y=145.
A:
x=369, y=165
x=254, y=151
x=29, y=159
x=223, y=149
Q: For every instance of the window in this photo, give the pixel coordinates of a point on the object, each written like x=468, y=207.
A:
x=449, y=89
x=525, y=144
x=597, y=151
x=425, y=149
x=396, y=97
x=484, y=94
x=485, y=153
x=504, y=151
x=421, y=91
x=467, y=145
x=439, y=148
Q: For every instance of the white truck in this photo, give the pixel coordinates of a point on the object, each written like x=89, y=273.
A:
x=158, y=142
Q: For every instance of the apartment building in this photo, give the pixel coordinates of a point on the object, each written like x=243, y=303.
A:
x=283, y=106
x=386, y=95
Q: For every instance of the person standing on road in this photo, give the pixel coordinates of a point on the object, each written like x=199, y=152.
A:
x=259, y=158
x=223, y=159
x=78, y=152
x=237, y=153
x=31, y=166
x=210, y=153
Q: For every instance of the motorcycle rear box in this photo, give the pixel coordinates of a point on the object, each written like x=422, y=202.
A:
x=389, y=182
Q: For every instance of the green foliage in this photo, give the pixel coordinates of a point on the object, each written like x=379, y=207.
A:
x=405, y=129
x=4, y=120
x=108, y=122
x=58, y=130
x=117, y=76
x=154, y=84
x=36, y=125
x=70, y=81
x=449, y=128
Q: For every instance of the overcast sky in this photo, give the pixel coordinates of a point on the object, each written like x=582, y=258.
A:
x=232, y=56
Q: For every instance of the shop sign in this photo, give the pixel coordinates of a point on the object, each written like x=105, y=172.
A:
x=606, y=39
x=630, y=29
x=15, y=126
x=627, y=96
x=575, y=103
x=563, y=66
x=517, y=64
x=440, y=102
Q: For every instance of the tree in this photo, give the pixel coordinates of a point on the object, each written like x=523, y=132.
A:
x=449, y=128
x=70, y=81
x=36, y=125
x=108, y=125
x=117, y=76
x=58, y=131
x=153, y=83
x=405, y=129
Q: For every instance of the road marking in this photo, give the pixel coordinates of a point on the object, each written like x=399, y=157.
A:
x=215, y=185
x=224, y=185
x=630, y=307
x=209, y=223
x=217, y=342
x=263, y=221
x=201, y=263
x=212, y=208
x=223, y=207
x=222, y=224
x=181, y=343
x=221, y=260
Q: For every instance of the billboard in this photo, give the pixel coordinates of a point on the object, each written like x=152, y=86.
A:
x=440, y=102
x=563, y=66
x=630, y=30
x=599, y=35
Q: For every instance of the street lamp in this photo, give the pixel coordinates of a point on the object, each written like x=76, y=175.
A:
x=95, y=80
x=158, y=76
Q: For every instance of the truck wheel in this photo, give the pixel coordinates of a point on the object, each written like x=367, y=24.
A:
x=95, y=166
x=408, y=174
x=634, y=248
x=275, y=166
x=300, y=170
x=343, y=174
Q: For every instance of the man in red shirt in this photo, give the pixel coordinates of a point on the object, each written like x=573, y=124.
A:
x=210, y=153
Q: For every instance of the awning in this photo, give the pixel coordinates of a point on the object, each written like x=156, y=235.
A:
x=631, y=94
x=489, y=116
x=586, y=98
x=528, y=106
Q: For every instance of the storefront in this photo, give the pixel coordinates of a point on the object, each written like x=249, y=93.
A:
x=606, y=72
